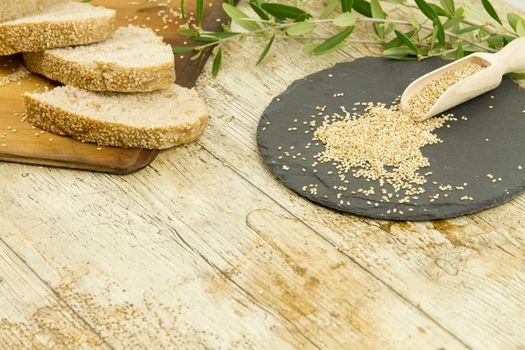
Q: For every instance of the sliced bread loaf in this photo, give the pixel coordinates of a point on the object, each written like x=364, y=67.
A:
x=62, y=24
x=133, y=60
x=153, y=120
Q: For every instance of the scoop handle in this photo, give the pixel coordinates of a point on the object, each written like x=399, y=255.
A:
x=513, y=56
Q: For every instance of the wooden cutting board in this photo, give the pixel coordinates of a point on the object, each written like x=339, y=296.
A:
x=20, y=142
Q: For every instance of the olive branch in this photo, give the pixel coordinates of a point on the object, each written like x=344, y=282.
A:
x=452, y=29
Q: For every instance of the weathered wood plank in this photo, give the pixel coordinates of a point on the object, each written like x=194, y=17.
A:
x=221, y=263
x=466, y=273
x=31, y=315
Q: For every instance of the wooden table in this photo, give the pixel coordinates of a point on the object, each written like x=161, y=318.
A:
x=205, y=249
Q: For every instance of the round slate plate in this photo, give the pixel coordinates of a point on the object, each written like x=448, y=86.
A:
x=491, y=141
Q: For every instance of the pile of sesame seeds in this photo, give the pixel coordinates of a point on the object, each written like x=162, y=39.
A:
x=422, y=102
x=383, y=144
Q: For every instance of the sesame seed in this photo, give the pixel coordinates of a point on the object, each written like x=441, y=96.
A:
x=425, y=99
x=366, y=143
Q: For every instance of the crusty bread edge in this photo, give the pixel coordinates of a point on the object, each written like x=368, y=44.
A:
x=85, y=129
x=101, y=77
x=26, y=37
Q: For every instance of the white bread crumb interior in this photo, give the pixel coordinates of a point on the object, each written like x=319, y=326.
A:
x=64, y=11
x=130, y=46
x=175, y=105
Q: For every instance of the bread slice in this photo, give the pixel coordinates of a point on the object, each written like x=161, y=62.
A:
x=62, y=24
x=133, y=60
x=11, y=9
x=151, y=120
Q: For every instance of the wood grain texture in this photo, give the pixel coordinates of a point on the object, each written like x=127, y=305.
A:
x=27, y=145
x=205, y=250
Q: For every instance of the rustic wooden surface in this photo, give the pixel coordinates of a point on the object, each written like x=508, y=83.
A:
x=204, y=249
x=28, y=145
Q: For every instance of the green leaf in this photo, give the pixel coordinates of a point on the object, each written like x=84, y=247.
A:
x=448, y=5
x=520, y=28
x=329, y=9
x=496, y=41
x=181, y=49
x=266, y=50
x=285, y=11
x=217, y=61
x=200, y=12
x=438, y=10
x=440, y=31
x=468, y=29
x=460, y=53
x=517, y=76
x=513, y=19
x=406, y=40
x=399, y=53
x=259, y=11
x=491, y=11
x=396, y=42
x=205, y=38
x=308, y=48
x=300, y=28
x=390, y=28
x=426, y=9
x=433, y=38
x=345, y=19
x=346, y=5
x=332, y=42
x=379, y=29
x=182, y=10
x=431, y=14
x=363, y=7
x=377, y=11
x=507, y=39
x=240, y=18
x=188, y=32
x=517, y=23
x=196, y=56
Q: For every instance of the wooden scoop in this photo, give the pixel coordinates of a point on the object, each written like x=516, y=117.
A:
x=509, y=59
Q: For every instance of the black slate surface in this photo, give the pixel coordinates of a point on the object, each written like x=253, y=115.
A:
x=490, y=141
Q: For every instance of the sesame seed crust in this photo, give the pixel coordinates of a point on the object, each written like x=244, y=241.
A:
x=134, y=59
x=19, y=36
x=101, y=77
x=56, y=120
